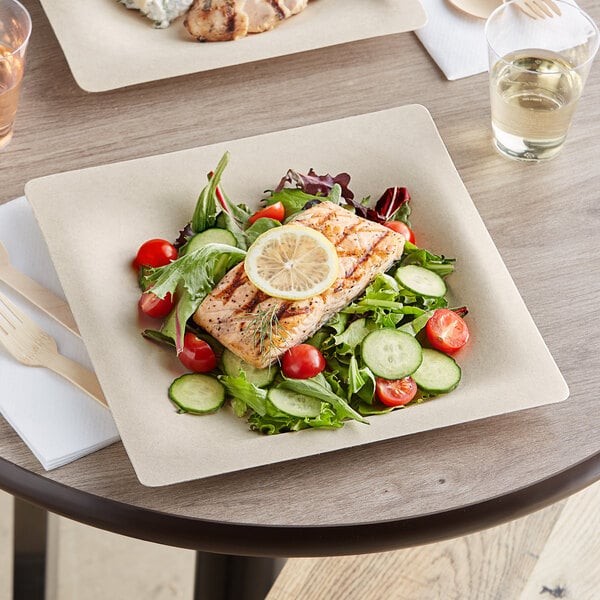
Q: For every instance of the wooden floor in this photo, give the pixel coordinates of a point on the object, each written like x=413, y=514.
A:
x=6, y=545
x=554, y=553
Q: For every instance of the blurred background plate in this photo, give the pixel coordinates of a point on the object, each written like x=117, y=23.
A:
x=109, y=46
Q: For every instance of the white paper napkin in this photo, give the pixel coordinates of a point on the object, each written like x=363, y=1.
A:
x=455, y=40
x=56, y=420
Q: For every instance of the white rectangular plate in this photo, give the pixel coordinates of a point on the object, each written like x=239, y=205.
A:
x=109, y=46
x=95, y=219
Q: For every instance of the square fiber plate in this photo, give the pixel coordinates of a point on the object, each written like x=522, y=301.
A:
x=94, y=220
x=109, y=46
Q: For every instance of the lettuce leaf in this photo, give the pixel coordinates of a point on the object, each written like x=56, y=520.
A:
x=208, y=205
x=264, y=417
x=317, y=185
x=278, y=422
x=246, y=394
x=193, y=276
x=258, y=227
x=419, y=256
x=295, y=200
x=318, y=387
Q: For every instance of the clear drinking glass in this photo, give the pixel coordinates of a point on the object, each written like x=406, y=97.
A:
x=538, y=68
x=15, y=29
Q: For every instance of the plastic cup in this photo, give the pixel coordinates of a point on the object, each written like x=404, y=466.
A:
x=15, y=29
x=538, y=69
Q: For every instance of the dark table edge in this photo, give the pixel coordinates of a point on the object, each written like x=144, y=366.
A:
x=293, y=541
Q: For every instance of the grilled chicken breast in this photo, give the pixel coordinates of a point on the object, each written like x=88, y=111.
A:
x=222, y=20
x=216, y=20
x=260, y=328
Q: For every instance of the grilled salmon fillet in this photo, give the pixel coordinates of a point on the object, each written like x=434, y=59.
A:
x=223, y=20
x=260, y=328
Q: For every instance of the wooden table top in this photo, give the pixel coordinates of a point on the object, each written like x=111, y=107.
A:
x=543, y=218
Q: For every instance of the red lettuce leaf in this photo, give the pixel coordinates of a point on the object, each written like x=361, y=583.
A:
x=317, y=185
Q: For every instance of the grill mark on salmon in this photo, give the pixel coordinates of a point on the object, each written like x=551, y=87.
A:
x=365, y=256
x=319, y=222
x=225, y=292
x=254, y=300
x=229, y=313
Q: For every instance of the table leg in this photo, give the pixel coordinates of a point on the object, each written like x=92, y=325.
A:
x=29, y=551
x=225, y=577
x=217, y=577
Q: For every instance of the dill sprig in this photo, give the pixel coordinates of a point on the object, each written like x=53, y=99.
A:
x=265, y=328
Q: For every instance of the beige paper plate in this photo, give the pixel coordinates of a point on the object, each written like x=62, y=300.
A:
x=109, y=46
x=95, y=219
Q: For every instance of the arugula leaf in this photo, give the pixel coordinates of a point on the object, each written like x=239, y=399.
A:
x=208, y=206
x=295, y=200
x=259, y=227
x=356, y=378
x=194, y=275
x=234, y=218
x=267, y=419
x=318, y=387
x=419, y=256
x=158, y=336
x=375, y=409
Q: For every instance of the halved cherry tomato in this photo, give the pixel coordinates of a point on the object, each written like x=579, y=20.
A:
x=447, y=331
x=403, y=228
x=197, y=355
x=275, y=211
x=153, y=306
x=395, y=392
x=302, y=362
x=155, y=253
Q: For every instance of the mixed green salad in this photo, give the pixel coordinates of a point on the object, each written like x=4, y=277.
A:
x=390, y=347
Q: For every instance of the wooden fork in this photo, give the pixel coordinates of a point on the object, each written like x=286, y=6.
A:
x=38, y=295
x=33, y=347
x=538, y=9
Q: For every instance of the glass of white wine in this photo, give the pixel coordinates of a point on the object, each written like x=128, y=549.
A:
x=538, y=68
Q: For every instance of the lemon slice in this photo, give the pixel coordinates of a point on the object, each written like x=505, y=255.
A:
x=292, y=262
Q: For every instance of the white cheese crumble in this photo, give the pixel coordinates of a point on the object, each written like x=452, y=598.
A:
x=162, y=12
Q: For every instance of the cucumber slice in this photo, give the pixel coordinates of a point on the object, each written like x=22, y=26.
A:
x=210, y=236
x=391, y=354
x=232, y=365
x=197, y=393
x=421, y=281
x=438, y=372
x=294, y=404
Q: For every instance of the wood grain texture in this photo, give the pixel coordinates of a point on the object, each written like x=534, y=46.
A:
x=552, y=553
x=83, y=562
x=543, y=219
x=7, y=526
x=568, y=566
